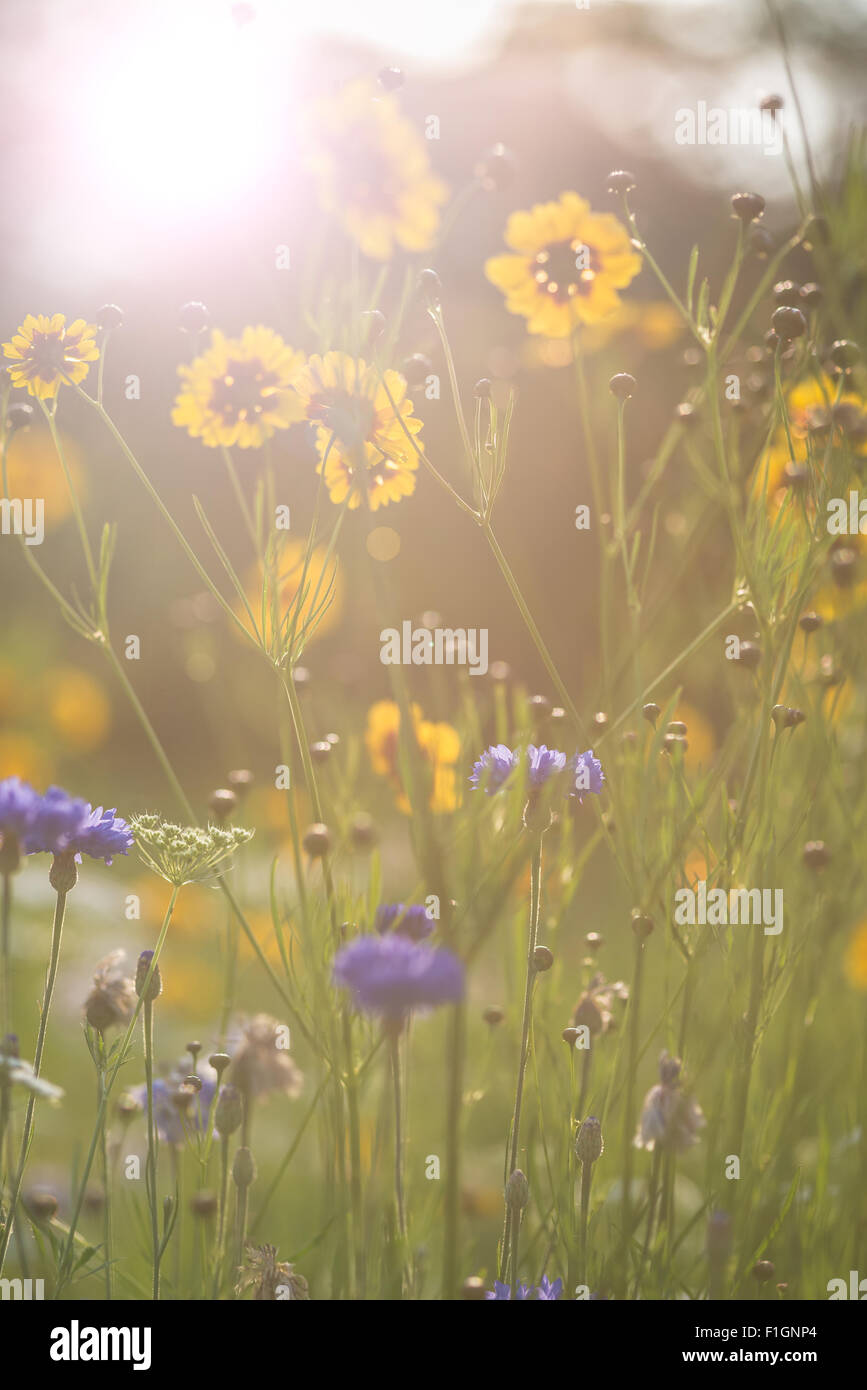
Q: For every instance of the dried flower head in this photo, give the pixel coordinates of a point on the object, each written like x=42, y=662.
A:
x=262, y=1065
x=269, y=1278
x=669, y=1117
x=111, y=1001
x=185, y=853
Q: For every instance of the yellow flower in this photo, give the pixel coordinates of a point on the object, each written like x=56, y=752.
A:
x=291, y=571
x=856, y=958
x=568, y=265
x=439, y=745
x=238, y=391
x=47, y=354
x=372, y=172
x=34, y=471
x=364, y=422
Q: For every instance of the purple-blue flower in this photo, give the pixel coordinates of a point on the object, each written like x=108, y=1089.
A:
x=586, y=774
x=543, y=763
x=390, y=975
x=63, y=824
x=18, y=806
x=174, y=1123
x=493, y=768
x=547, y=1292
x=411, y=920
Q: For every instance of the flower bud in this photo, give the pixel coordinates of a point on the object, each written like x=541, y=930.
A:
x=622, y=386
x=496, y=169
x=642, y=925
x=787, y=292
x=812, y=295
x=588, y=1140
x=651, y=712
x=763, y=1272
x=749, y=655
x=321, y=751
x=109, y=317
x=229, y=1111
x=430, y=286
x=219, y=1061
x=416, y=369
x=204, y=1203
x=789, y=323
x=517, y=1190
x=222, y=803
x=748, y=206
x=844, y=354
x=620, y=181
x=155, y=988
x=40, y=1204
x=473, y=1290
x=63, y=874
x=810, y=622
x=390, y=79
x=244, y=1168
x=816, y=854
x=193, y=317
x=19, y=416
x=493, y=1015
x=482, y=389
x=543, y=958
x=317, y=841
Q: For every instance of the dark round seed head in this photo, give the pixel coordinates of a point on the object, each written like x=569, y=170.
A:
x=651, y=712
x=844, y=566
x=810, y=622
x=417, y=369
x=772, y=103
x=482, y=389
x=622, y=386
x=816, y=854
x=321, y=751
x=493, y=1015
x=40, y=1204
x=685, y=413
x=222, y=803
x=844, y=354
x=430, y=286
x=390, y=79
x=543, y=958
x=787, y=292
x=219, y=1061
x=750, y=655
x=600, y=719
x=788, y=323
x=794, y=717
x=19, y=415
x=621, y=181
x=678, y=728
x=496, y=169
x=194, y=317
x=642, y=925
x=204, y=1203
x=748, y=206
x=540, y=706
x=760, y=242
x=763, y=1272
x=317, y=840
x=109, y=317
x=570, y=1036
x=812, y=294
x=362, y=831
x=594, y=940
x=795, y=475
x=240, y=780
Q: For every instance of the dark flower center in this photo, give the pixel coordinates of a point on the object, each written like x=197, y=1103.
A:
x=351, y=418
x=242, y=391
x=565, y=269
x=47, y=355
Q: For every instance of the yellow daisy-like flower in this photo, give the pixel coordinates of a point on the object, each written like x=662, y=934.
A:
x=46, y=355
x=238, y=391
x=439, y=744
x=567, y=265
x=372, y=172
x=364, y=423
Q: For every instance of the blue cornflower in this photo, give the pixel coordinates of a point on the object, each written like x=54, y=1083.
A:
x=547, y=1292
x=493, y=768
x=390, y=975
x=18, y=806
x=411, y=921
x=543, y=763
x=585, y=774
x=65, y=825
x=177, y=1115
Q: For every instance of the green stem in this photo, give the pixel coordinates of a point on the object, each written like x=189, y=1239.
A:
x=153, y=1150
